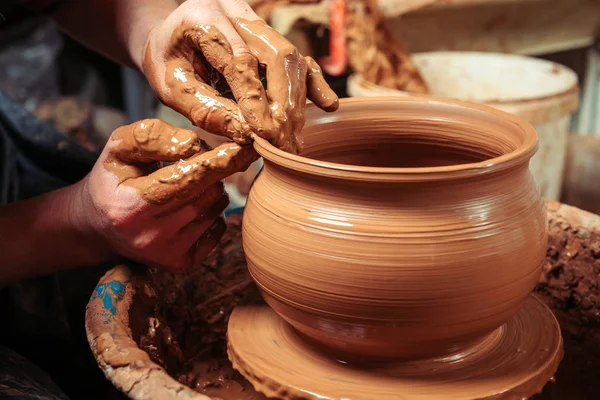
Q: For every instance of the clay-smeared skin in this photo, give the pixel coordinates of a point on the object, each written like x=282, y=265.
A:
x=409, y=262
x=513, y=363
x=200, y=54
x=189, y=77
x=143, y=146
x=285, y=92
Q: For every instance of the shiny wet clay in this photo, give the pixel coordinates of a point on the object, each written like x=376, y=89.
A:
x=408, y=228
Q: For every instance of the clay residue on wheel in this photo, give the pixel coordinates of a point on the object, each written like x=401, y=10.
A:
x=180, y=321
x=570, y=286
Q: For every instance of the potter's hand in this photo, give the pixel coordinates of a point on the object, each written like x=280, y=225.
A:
x=162, y=216
x=204, y=41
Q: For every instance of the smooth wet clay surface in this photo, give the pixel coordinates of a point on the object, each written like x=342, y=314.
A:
x=405, y=262
x=398, y=237
x=514, y=362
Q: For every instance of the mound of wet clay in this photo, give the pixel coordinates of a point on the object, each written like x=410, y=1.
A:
x=569, y=285
x=181, y=321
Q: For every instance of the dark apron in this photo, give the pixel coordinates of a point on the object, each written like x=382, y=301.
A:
x=43, y=318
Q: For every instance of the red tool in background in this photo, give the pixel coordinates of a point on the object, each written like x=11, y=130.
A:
x=336, y=62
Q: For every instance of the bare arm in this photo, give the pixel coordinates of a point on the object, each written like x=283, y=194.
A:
x=116, y=28
x=43, y=234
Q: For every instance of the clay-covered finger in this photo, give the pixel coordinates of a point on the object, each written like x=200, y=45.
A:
x=296, y=141
x=227, y=53
x=186, y=179
x=286, y=73
x=218, y=115
x=184, y=85
x=204, y=106
x=281, y=58
x=317, y=89
x=154, y=140
x=243, y=79
x=270, y=48
x=207, y=242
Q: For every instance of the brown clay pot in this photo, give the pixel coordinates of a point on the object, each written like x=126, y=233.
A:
x=130, y=369
x=409, y=227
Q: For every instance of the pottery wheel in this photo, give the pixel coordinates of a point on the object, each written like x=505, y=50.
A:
x=514, y=362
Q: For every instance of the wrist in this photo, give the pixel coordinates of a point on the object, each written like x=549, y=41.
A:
x=83, y=218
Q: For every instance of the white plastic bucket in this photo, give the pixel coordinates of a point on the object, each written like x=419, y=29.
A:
x=542, y=92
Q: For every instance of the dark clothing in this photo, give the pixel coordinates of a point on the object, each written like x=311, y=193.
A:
x=20, y=379
x=43, y=318
x=12, y=10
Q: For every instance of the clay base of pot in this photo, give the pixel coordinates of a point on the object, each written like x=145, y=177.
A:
x=515, y=361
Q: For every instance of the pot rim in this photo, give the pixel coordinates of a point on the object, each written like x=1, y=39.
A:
x=299, y=163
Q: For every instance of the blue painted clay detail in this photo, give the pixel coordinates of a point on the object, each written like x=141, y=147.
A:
x=110, y=293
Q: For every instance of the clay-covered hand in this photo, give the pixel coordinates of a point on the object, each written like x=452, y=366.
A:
x=205, y=41
x=169, y=216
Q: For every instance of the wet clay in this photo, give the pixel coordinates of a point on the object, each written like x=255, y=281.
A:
x=180, y=321
x=288, y=73
x=200, y=56
x=370, y=256
x=569, y=284
x=138, y=151
x=185, y=80
x=441, y=272
x=514, y=362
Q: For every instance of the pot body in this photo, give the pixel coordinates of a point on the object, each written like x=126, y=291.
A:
x=392, y=268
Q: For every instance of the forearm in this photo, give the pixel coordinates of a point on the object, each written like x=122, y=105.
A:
x=116, y=28
x=46, y=234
